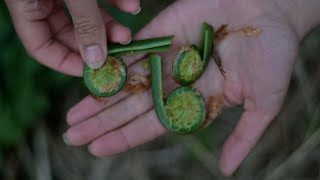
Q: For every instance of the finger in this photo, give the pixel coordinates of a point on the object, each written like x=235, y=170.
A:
x=118, y=33
x=30, y=24
x=141, y=130
x=105, y=16
x=90, y=105
x=115, y=31
x=62, y=29
x=89, y=30
x=130, y=6
x=246, y=134
x=109, y=119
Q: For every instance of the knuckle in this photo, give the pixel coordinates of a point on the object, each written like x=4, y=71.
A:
x=85, y=27
x=35, y=9
x=36, y=52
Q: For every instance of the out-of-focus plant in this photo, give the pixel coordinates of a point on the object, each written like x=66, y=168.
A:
x=24, y=86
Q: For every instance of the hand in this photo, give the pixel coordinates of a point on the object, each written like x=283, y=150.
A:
x=258, y=71
x=50, y=37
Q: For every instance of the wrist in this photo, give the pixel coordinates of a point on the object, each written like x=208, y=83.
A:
x=302, y=15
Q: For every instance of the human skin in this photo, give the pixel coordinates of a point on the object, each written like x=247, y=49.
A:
x=55, y=41
x=258, y=71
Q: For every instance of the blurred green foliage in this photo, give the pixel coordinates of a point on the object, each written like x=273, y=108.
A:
x=314, y=123
x=25, y=85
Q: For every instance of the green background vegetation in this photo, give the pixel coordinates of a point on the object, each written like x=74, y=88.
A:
x=34, y=101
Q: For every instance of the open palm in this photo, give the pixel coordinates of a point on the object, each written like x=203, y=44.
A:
x=258, y=70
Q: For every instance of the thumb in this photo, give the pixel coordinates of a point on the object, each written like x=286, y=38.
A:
x=89, y=30
x=243, y=139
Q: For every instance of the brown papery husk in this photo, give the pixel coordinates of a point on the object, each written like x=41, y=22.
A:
x=214, y=109
x=103, y=100
x=137, y=83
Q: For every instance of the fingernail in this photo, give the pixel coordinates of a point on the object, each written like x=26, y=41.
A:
x=65, y=139
x=137, y=12
x=127, y=42
x=94, y=56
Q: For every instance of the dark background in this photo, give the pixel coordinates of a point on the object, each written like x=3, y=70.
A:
x=34, y=101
